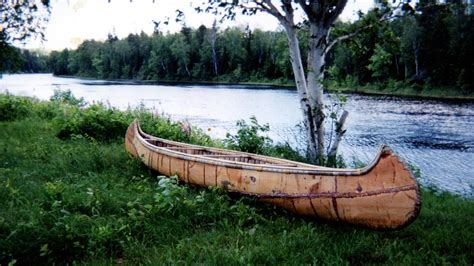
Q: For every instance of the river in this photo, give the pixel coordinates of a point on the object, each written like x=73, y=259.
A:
x=436, y=136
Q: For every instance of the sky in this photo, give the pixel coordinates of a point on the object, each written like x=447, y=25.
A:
x=73, y=21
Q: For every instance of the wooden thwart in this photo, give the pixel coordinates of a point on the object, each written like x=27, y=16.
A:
x=382, y=195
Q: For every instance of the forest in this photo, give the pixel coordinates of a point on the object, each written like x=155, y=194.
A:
x=424, y=49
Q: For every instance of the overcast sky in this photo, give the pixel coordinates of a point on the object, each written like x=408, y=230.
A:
x=73, y=21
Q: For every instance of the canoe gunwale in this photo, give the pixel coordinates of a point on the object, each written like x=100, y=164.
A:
x=311, y=170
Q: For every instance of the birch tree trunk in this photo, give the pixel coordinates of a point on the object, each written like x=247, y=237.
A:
x=321, y=15
x=301, y=86
x=212, y=42
x=316, y=64
x=417, y=64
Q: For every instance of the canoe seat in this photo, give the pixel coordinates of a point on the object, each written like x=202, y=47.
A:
x=182, y=148
x=155, y=142
x=226, y=155
x=206, y=153
x=189, y=150
x=246, y=159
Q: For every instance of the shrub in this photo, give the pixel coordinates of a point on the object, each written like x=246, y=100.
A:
x=14, y=107
x=285, y=151
x=164, y=127
x=103, y=123
x=168, y=129
x=248, y=138
x=66, y=97
x=47, y=110
x=96, y=121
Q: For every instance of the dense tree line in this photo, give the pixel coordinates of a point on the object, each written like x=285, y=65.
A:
x=431, y=47
x=20, y=20
x=233, y=54
x=16, y=60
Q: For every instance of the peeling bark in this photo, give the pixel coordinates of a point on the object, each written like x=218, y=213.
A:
x=316, y=64
x=340, y=131
x=301, y=86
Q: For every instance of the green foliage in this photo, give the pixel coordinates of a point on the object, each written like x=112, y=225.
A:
x=13, y=107
x=10, y=59
x=166, y=128
x=162, y=126
x=379, y=62
x=21, y=20
x=427, y=48
x=66, y=97
x=97, y=122
x=248, y=137
x=285, y=151
x=191, y=54
x=337, y=162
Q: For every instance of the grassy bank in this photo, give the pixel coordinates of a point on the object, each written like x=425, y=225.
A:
x=68, y=194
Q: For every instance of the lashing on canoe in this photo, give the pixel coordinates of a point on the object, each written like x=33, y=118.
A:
x=382, y=195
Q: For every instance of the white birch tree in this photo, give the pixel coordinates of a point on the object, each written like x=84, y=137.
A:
x=320, y=15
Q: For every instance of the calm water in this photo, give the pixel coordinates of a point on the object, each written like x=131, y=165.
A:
x=436, y=136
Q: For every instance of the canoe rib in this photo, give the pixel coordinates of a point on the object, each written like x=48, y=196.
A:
x=382, y=195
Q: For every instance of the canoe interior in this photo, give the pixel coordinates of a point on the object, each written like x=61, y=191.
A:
x=209, y=153
x=243, y=159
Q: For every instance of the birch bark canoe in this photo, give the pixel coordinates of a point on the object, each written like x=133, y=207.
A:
x=382, y=195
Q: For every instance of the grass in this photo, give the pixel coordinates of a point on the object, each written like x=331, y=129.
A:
x=85, y=201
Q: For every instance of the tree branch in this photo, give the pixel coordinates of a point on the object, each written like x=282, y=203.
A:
x=340, y=131
x=265, y=6
x=288, y=9
x=333, y=15
x=272, y=10
x=385, y=16
x=345, y=37
x=305, y=8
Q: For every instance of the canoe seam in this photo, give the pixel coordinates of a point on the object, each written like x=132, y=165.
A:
x=335, y=195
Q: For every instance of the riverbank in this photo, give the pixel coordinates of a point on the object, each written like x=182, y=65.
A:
x=78, y=197
x=404, y=91
x=264, y=84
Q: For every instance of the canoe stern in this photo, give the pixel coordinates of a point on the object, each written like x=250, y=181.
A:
x=130, y=138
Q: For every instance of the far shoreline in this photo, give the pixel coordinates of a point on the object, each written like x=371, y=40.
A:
x=406, y=93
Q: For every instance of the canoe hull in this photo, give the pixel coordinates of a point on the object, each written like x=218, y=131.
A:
x=383, y=196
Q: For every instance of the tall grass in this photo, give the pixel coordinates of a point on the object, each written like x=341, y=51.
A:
x=83, y=199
